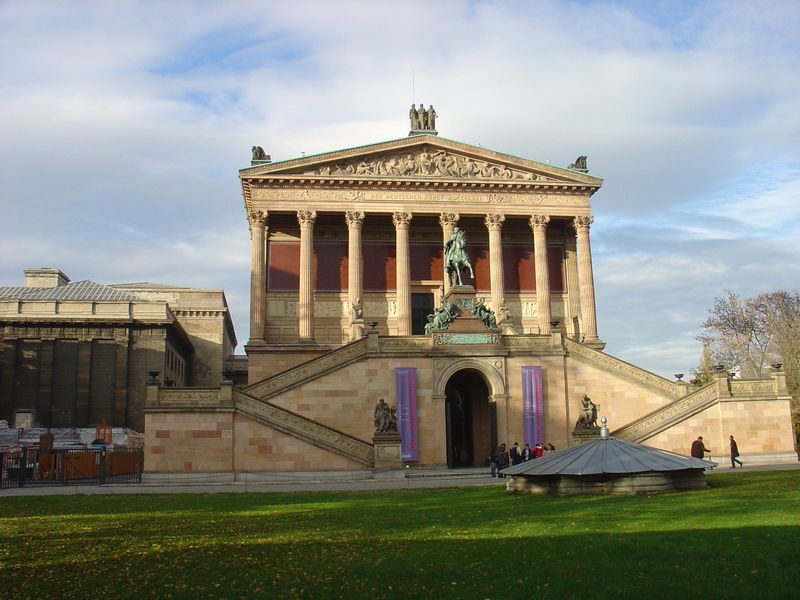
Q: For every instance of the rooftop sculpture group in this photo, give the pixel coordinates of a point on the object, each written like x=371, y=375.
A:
x=422, y=119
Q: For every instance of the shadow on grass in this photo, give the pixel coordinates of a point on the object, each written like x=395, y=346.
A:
x=750, y=562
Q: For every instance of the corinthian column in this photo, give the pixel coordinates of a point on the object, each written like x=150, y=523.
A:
x=402, y=220
x=539, y=226
x=586, y=279
x=448, y=222
x=305, y=311
x=355, y=275
x=494, y=223
x=258, y=275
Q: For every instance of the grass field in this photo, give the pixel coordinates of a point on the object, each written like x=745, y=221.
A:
x=740, y=539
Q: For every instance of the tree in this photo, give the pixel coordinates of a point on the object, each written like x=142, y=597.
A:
x=756, y=332
x=704, y=373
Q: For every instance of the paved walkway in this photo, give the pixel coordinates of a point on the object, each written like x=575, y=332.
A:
x=306, y=482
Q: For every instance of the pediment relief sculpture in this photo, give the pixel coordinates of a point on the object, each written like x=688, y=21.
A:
x=440, y=163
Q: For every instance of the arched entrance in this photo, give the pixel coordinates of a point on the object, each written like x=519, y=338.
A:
x=470, y=419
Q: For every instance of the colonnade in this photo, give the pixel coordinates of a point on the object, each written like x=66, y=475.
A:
x=402, y=221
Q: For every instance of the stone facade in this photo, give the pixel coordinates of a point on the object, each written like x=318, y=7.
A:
x=366, y=227
x=75, y=354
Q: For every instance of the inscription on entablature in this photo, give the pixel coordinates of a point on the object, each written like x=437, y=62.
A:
x=269, y=193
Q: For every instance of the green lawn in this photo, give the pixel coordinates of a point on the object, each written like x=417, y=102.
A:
x=740, y=539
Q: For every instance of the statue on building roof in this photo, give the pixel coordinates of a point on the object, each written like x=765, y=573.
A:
x=432, y=118
x=579, y=164
x=413, y=116
x=259, y=154
x=422, y=119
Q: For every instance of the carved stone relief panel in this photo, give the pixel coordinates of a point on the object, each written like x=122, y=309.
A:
x=424, y=163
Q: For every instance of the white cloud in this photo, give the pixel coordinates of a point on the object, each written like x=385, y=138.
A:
x=124, y=125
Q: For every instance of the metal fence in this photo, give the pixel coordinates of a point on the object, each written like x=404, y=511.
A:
x=46, y=466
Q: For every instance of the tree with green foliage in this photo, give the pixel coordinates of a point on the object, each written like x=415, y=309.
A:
x=704, y=373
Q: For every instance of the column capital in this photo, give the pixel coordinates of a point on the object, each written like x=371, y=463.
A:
x=494, y=221
x=539, y=222
x=257, y=217
x=306, y=217
x=582, y=223
x=446, y=219
x=354, y=218
x=401, y=219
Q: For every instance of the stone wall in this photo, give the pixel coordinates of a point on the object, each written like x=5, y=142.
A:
x=186, y=441
x=344, y=400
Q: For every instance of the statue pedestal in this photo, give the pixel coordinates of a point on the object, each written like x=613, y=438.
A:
x=387, y=450
x=356, y=329
x=585, y=435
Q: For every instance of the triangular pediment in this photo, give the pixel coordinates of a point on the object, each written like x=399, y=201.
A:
x=421, y=157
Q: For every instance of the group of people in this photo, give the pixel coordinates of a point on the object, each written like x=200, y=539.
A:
x=699, y=450
x=516, y=455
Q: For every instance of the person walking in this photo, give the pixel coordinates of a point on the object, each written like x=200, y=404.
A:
x=699, y=448
x=735, y=454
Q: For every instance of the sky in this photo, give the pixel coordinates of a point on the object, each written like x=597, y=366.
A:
x=124, y=124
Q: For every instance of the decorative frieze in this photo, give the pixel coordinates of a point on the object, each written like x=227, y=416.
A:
x=752, y=387
x=421, y=163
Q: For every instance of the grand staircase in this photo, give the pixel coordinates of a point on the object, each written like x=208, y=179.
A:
x=665, y=417
x=307, y=371
x=253, y=401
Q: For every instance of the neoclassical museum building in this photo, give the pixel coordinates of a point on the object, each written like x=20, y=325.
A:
x=351, y=303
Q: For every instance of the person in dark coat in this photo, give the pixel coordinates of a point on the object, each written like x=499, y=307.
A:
x=699, y=448
x=735, y=454
x=516, y=454
x=527, y=453
x=502, y=460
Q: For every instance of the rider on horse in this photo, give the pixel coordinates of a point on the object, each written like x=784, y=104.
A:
x=456, y=257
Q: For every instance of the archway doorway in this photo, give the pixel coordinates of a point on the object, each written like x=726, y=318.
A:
x=470, y=418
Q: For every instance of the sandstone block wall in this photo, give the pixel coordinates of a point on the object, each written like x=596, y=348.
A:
x=186, y=441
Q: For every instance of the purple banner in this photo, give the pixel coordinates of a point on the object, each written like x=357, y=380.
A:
x=406, y=380
x=532, y=405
